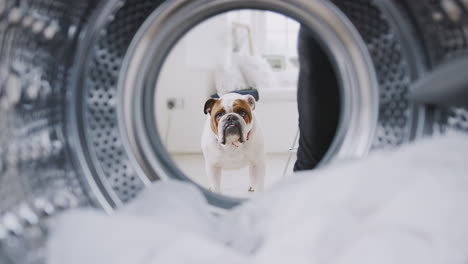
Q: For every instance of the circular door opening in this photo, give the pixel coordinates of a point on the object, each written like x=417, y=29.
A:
x=352, y=77
x=121, y=145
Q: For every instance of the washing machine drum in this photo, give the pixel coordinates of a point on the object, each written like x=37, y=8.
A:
x=78, y=78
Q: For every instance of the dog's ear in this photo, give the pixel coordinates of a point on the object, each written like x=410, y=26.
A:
x=209, y=105
x=250, y=100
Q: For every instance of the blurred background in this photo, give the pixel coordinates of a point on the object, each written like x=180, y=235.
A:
x=79, y=98
x=188, y=79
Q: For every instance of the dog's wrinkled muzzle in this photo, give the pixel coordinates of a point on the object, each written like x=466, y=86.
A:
x=232, y=128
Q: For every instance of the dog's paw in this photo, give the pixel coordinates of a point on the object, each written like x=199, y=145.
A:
x=251, y=189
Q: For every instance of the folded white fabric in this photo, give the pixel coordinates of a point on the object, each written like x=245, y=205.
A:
x=245, y=72
x=137, y=232
x=407, y=205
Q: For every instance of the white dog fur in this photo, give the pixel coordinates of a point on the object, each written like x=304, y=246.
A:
x=233, y=151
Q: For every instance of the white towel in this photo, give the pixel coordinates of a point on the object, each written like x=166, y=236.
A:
x=407, y=205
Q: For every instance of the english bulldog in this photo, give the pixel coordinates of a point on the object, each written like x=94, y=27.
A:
x=232, y=139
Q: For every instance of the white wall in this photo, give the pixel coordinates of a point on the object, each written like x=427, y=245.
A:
x=188, y=76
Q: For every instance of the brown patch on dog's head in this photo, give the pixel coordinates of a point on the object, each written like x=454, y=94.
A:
x=214, y=108
x=209, y=105
x=243, y=108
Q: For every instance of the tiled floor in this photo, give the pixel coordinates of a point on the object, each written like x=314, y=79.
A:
x=235, y=182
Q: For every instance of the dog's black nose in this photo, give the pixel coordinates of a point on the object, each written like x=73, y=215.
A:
x=231, y=118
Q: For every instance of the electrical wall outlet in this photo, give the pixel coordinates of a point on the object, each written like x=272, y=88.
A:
x=175, y=103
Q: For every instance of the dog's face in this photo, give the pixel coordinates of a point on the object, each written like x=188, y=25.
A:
x=231, y=117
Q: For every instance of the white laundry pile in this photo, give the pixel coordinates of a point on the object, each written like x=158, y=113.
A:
x=408, y=205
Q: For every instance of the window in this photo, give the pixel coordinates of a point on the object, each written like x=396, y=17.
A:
x=280, y=35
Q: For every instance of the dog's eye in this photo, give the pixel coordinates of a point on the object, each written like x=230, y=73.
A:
x=218, y=115
x=242, y=113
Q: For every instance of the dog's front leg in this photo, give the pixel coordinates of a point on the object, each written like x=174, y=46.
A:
x=214, y=175
x=257, y=176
